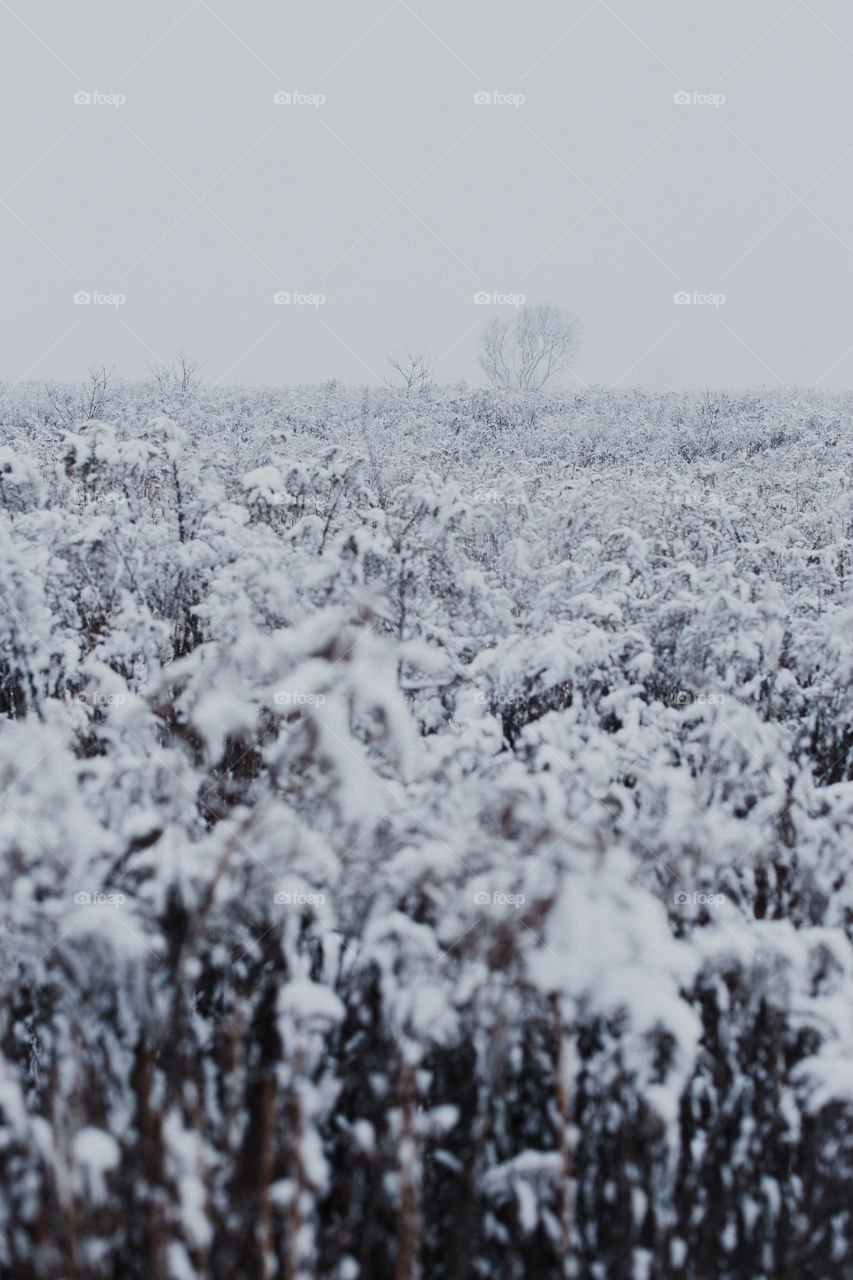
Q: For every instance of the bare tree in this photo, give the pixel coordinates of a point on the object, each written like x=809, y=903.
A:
x=95, y=394
x=93, y=401
x=180, y=377
x=525, y=354
x=415, y=369
x=186, y=371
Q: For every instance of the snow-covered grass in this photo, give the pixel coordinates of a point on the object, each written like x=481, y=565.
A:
x=427, y=832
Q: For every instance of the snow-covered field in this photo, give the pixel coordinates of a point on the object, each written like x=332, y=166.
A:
x=427, y=832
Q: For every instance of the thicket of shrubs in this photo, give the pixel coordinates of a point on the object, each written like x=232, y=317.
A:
x=427, y=832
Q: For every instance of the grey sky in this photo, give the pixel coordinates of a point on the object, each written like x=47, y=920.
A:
x=400, y=197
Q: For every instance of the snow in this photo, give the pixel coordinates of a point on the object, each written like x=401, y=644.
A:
x=96, y=1153
x=308, y=1002
x=408, y=752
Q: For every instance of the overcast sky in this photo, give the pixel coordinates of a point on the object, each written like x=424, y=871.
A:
x=399, y=197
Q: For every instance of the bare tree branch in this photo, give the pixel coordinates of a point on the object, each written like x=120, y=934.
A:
x=527, y=353
x=415, y=369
